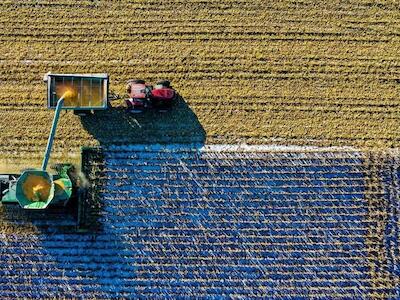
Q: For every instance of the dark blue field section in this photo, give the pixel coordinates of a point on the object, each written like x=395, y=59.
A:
x=184, y=223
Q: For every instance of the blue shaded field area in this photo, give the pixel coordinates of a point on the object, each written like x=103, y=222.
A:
x=179, y=222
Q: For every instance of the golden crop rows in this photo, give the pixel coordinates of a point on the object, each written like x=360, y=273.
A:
x=289, y=72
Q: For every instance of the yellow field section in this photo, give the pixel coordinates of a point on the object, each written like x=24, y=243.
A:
x=288, y=72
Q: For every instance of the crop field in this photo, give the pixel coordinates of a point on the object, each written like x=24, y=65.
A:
x=289, y=72
x=275, y=175
x=178, y=221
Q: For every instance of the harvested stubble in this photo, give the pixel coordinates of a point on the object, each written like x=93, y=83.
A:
x=204, y=224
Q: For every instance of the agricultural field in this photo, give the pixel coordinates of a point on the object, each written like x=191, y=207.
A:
x=180, y=221
x=275, y=175
x=287, y=72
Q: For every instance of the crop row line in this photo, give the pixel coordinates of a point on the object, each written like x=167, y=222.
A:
x=150, y=37
x=210, y=60
x=90, y=22
x=244, y=75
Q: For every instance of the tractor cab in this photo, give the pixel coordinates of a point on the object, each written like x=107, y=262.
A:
x=143, y=96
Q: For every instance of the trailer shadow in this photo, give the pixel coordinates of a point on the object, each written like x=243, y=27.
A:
x=115, y=126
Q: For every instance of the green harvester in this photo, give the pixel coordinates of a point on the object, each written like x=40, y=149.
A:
x=83, y=93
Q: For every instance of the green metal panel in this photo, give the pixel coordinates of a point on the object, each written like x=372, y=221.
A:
x=62, y=191
x=10, y=196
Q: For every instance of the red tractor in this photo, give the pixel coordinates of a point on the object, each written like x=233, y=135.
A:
x=143, y=96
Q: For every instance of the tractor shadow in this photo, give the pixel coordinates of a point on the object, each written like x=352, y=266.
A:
x=115, y=126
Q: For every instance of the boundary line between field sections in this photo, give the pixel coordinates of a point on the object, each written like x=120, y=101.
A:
x=198, y=147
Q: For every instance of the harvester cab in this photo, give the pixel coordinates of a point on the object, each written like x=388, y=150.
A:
x=38, y=189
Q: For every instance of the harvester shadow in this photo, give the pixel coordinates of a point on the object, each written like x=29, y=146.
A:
x=53, y=219
x=93, y=255
x=115, y=126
